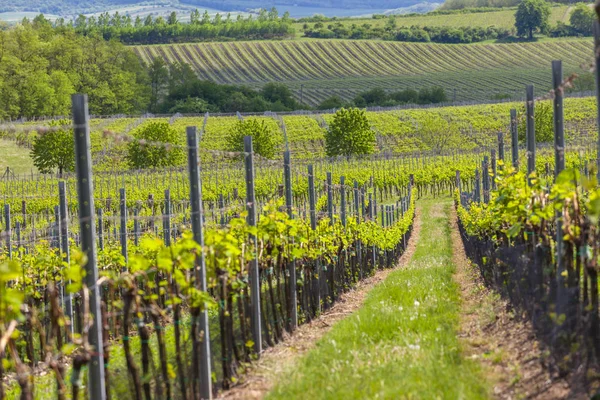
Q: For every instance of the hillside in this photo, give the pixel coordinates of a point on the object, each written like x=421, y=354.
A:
x=501, y=18
x=325, y=67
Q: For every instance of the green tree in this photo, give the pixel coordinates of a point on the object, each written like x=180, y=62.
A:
x=264, y=138
x=532, y=16
x=350, y=134
x=55, y=149
x=582, y=19
x=544, y=123
x=157, y=144
x=159, y=81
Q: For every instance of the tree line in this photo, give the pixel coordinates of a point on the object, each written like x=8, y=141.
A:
x=379, y=97
x=201, y=27
x=531, y=16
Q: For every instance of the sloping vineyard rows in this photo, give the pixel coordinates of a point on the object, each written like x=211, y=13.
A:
x=368, y=62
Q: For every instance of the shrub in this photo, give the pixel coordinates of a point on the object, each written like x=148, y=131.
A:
x=330, y=103
x=142, y=153
x=350, y=134
x=264, y=138
x=55, y=149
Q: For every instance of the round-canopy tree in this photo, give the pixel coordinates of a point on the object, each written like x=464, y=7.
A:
x=350, y=134
x=55, y=149
x=264, y=138
x=582, y=18
x=157, y=144
x=532, y=16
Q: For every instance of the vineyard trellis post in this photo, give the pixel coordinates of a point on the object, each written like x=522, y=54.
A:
x=85, y=190
x=530, y=124
x=56, y=230
x=494, y=169
x=167, y=218
x=18, y=234
x=313, y=226
x=485, y=173
x=100, y=229
x=329, y=198
x=597, y=75
x=514, y=138
x=8, y=230
x=136, y=227
x=64, y=232
x=123, y=228
x=559, y=161
x=287, y=172
x=343, y=200
x=477, y=187
x=501, y=146
x=559, y=134
x=253, y=267
x=204, y=367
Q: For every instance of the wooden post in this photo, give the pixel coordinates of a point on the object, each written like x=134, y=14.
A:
x=559, y=129
x=530, y=107
x=501, y=146
x=204, y=367
x=85, y=190
x=100, y=229
x=123, y=227
x=253, y=268
x=167, y=218
x=343, y=200
x=312, y=201
x=287, y=172
x=514, y=138
x=330, y=198
x=8, y=230
x=64, y=232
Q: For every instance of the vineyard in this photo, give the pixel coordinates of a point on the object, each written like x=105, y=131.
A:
x=409, y=272
x=399, y=132
x=341, y=67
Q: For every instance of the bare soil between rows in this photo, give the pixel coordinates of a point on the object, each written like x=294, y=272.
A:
x=506, y=346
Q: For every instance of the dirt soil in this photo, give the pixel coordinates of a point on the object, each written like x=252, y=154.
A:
x=507, y=347
x=262, y=375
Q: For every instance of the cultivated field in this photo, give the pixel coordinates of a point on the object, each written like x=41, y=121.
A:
x=342, y=67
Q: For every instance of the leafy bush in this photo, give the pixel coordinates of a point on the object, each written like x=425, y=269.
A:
x=142, y=153
x=350, y=134
x=331, y=103
x=55, y=149
x=264, y=139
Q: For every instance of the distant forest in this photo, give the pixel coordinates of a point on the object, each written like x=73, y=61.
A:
x=73, y=7
x=65, y=7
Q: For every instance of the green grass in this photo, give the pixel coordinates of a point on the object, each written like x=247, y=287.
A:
x=15, y=157
x=502, y=18
x=402, y=343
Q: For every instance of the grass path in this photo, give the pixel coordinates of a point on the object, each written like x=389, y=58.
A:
x=402, y=343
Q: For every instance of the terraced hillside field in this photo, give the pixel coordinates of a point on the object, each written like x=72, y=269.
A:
x=344, y=67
